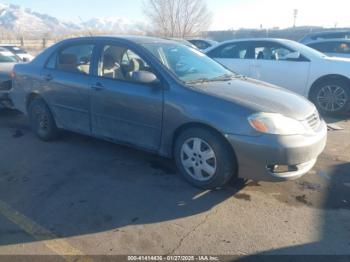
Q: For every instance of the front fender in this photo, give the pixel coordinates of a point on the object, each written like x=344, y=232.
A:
x=187, y=107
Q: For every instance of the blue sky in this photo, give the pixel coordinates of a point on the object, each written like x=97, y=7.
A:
x=226, y=13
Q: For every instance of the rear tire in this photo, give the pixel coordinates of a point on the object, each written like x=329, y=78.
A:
x=331, y=97
x=204, y=158
x=42, y=121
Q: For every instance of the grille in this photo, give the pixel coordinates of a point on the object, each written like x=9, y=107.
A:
x=313, y=121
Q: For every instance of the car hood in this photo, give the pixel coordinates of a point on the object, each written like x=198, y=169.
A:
x=339, y=55
x=337, y=59
x=260, y=97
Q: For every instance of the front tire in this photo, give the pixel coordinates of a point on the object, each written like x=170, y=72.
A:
x=331, y=97
x=42, y=121
x=204, y=158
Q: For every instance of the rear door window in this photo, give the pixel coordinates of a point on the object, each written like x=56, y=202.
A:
x=270, y=51
x=73, y=59
x=240, y=50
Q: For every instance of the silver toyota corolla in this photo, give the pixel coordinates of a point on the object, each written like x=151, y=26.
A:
x=170, y=99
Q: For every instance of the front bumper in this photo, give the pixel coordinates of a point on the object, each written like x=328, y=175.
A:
x=256, y=155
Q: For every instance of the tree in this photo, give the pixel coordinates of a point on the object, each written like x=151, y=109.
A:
x=177, y=18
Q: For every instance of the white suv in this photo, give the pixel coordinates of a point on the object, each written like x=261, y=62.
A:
x=294, y=66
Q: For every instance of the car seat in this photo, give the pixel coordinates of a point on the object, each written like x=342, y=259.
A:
x=134, y=66
x=68, y=62
x=111, y=67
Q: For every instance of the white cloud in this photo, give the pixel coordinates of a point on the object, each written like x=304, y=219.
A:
x=274, y=13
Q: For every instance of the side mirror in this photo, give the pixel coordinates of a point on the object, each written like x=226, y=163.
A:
x=144, y=77
x=25, y=60
x=292, y=56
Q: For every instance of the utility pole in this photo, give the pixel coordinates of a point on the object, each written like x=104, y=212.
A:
x=295, y=15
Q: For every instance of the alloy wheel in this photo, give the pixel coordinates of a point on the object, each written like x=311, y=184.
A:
x=198, y=159
x=42, y=119
x=332, y=98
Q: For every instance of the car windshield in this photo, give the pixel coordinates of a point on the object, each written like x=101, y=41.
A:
x=7, y=57
x=306, y=50
x=188, y=64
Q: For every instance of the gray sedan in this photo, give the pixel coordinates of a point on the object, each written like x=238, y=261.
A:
x=166, y=98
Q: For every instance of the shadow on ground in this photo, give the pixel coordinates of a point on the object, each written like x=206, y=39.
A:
x=79, y=185
x=334, y=120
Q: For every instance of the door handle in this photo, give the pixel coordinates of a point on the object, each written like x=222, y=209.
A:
x=48, y=78
x=98, y=87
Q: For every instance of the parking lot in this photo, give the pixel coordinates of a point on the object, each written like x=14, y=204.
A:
x=82, y=196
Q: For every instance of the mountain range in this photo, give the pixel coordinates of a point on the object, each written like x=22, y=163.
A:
x=25, y=22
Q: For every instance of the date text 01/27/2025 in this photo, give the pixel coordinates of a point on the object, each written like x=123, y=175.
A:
x=173, y=258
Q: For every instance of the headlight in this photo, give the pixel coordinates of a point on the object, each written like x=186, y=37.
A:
x=276, y=124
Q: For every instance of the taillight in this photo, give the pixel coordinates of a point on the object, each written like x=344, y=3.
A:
x=12, y=74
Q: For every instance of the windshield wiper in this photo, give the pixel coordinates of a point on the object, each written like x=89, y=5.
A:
x=225, y=77
x=199, y=81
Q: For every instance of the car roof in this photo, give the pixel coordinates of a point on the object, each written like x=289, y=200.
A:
x=179, y=40
x=126, y=39
x=329, y=40
x=129, y=38
x=313, y=36
x=200, y=39
x=277, y=40
x=328, y=32
x=256, y=40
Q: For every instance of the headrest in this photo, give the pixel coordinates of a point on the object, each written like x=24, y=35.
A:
x=134, y=64
x=67, y=59
x=109, y=61
x=267, y=53
x=260, y=55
